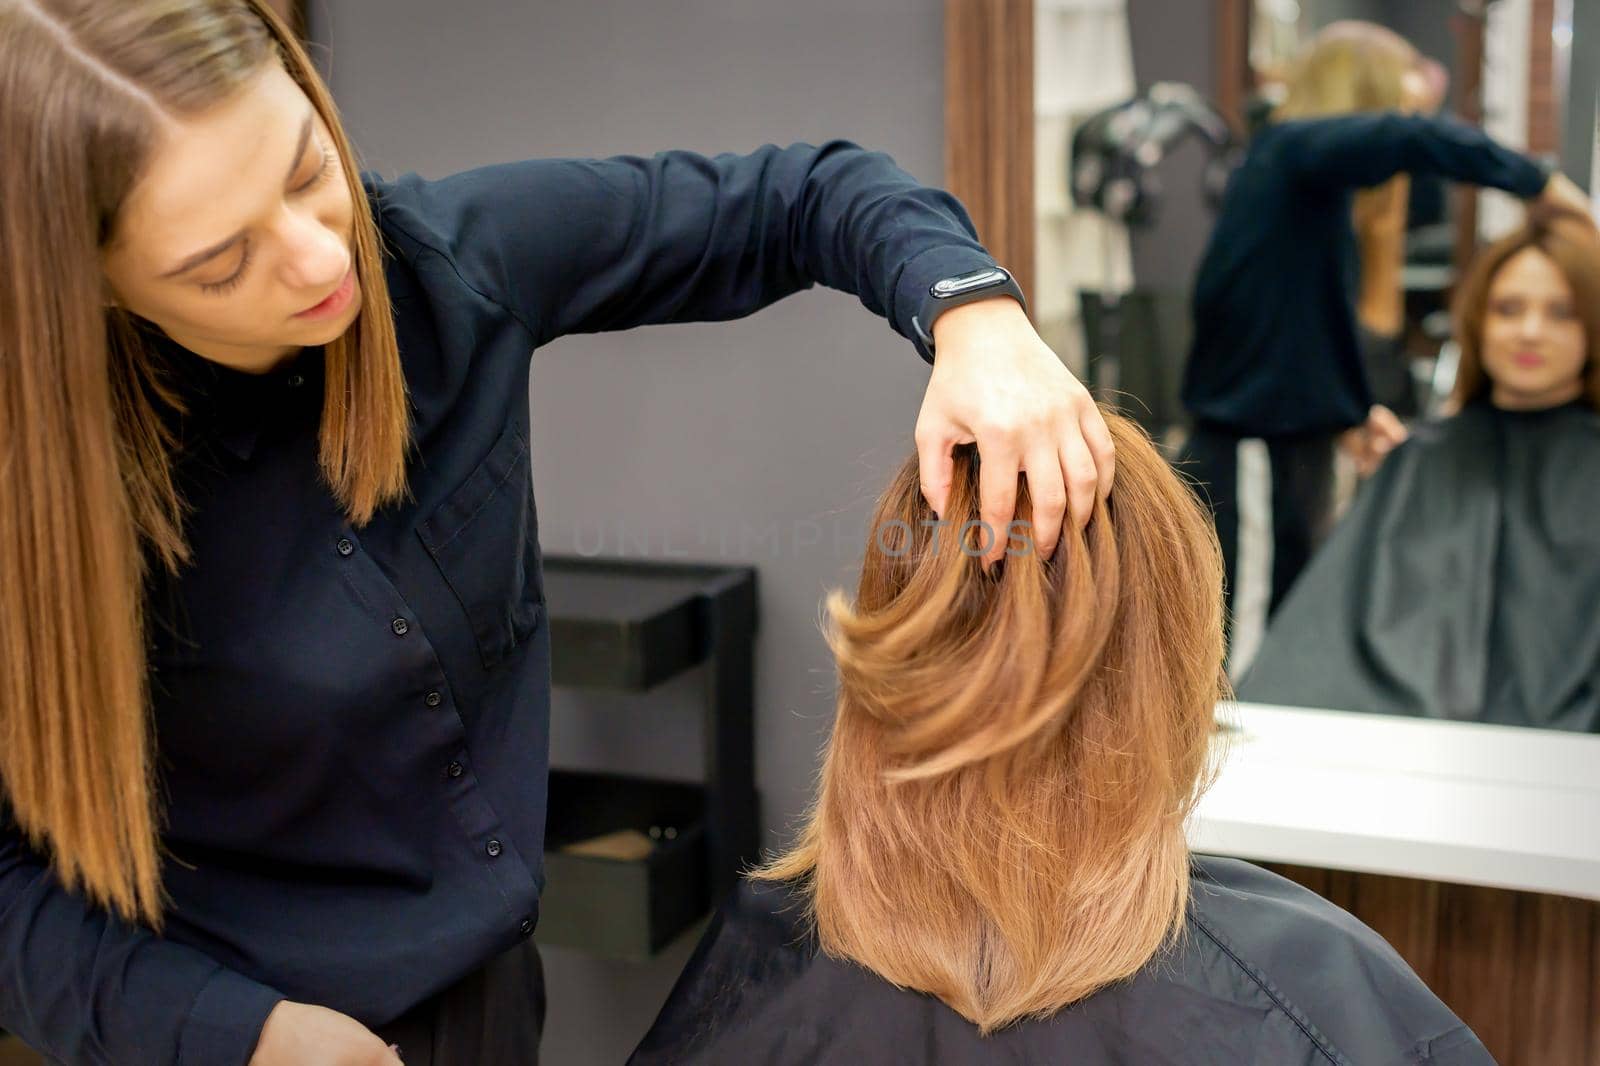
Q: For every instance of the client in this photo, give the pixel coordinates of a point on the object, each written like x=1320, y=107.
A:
x=1463, y=581
x=995, y=870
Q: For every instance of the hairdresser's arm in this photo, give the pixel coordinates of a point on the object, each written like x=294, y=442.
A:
x=585, y=245
x=578, y=246
x=86, y=988
x=1352, y=151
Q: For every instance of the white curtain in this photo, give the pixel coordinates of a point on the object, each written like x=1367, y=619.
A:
x=1083, y=62
x=1505, y=103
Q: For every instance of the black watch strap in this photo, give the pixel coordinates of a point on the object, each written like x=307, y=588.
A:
x=962, y=289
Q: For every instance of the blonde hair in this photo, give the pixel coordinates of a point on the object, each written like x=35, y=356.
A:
x=1000, y=818
x=86, y=483
x=1573, y=245
x=1348, y=66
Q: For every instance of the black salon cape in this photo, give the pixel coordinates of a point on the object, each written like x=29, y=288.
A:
x=1464, y=582
x=1267, y=974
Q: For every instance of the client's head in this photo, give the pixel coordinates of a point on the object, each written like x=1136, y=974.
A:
x=1000, y=819
x=1528, y=316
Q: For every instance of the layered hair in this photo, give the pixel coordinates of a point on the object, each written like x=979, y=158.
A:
x=1000, y=820
x=88, y=499
x=1573, y=245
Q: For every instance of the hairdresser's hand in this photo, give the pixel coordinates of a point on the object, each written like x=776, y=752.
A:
x=1560, y=191
x=997, y=384
x=1369, y=442
x=303, y=1034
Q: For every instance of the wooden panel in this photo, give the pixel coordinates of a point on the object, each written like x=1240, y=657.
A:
x=1594, y=984
x=988, y=148
x=1231, y=55
x=1521, y=968
x=1477, y=937
x=1404, y=912
x=1313, y=877
x=1468, y=26
x=1342, y=888
x=1553, y=987
x=1544, y=110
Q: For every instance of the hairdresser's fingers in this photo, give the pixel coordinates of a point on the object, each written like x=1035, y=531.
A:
x=935, y=465
x=1047, y=491
x=999, y=461
x=1097, y=435
x=1083, y=481
x=1387, y=429
x=1562, y=192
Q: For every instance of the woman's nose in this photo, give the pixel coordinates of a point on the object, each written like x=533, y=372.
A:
x=315, y=256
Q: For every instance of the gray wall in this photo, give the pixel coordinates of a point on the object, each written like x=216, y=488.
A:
x=676, y=441
x=1172, y=41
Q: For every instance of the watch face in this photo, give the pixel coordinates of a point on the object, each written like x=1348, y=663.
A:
x=964, y=283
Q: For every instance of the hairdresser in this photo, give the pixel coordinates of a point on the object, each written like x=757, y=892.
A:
x=274, y=660
x=1275, y=378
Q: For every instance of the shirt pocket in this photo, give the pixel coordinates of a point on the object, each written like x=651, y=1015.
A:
x=484, y=538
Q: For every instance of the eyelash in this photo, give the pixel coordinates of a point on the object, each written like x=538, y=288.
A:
x=227, y=285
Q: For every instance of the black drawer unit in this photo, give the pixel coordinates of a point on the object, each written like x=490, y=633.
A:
x=629, y=625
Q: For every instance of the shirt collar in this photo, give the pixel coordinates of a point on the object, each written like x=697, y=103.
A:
x=230, y=406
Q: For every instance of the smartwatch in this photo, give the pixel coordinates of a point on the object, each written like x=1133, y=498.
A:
x=962, y=289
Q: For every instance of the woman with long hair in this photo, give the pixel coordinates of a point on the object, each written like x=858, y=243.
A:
x=995, y=868
x=1462, y=582
x=1276, y=379
x=274, y=673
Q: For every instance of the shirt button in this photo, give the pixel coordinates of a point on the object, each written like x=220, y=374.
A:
x=400, y=626
x=346, y=548
x=433, y=699
x=296, y=380
x=493, y=849
x=456, y=769
x=527, y=927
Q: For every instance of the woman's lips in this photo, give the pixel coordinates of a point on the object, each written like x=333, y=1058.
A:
x=1527, y=359
x=335, y=301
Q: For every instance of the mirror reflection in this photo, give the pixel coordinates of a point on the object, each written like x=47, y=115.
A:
x=1377, y=362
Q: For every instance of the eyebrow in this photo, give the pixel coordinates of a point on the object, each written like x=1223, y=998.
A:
x=222, y=246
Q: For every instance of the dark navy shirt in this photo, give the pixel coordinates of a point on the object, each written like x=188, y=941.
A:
x=1275, y=350
x=352, y=724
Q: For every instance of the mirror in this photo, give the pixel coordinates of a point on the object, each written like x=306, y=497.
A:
x=1451, y=577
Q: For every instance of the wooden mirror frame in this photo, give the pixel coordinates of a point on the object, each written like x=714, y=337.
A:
x=989, y=119
x=988, y=124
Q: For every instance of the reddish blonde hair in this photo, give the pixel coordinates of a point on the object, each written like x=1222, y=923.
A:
x=1001, y=814
x=1571, y=242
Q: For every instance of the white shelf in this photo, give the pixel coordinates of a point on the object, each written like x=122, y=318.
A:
x=1445, y=801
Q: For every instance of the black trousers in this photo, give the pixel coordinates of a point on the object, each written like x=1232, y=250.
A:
x=1272, y=499
x=492, y=1017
